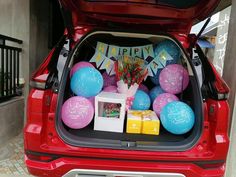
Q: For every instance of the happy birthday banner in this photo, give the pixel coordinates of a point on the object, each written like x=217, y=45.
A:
x=105, y=57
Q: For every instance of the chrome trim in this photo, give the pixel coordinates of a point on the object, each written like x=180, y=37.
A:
x=104, y=173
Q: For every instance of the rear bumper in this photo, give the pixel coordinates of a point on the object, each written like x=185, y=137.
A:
x=62, y=166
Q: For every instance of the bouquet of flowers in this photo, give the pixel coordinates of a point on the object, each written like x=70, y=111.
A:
x=130, y=72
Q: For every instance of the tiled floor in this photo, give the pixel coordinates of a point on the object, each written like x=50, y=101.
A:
x=12, y=158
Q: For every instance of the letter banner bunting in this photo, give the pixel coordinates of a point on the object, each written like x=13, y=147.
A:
x=148, y=51
x=105, y=56
x=163, y=57
x=100, y=54
x=113, y=51
x=108, y=65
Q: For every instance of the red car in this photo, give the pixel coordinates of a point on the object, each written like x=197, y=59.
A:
x=52, y=149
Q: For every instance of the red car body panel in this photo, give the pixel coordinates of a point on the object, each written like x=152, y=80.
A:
x=63, y=165
x=136, y=12
x=46, y=154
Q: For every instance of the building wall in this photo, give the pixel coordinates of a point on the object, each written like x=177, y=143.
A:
x=11, y=118
x=39, y=31
x=26, y=20
x=14, y=20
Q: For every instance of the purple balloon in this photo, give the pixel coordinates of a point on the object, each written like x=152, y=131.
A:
x=143, y=88
x=79, y=65
x=111, y=88
x=77, y=112
x=108, y=80
x=162, y=100
x=174, y=79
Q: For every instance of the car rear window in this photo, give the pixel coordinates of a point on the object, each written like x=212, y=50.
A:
x=182, y=4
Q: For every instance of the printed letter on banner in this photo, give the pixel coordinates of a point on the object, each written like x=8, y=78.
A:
x=163, y=57
x=108, y=65
x=137, y=52
x=155, y=65
x=113, y=51
x=100, y=53
x=125, y=51
x=148, y=51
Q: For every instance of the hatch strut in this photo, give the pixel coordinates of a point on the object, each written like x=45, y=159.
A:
x=200, y=32
x=66, y=15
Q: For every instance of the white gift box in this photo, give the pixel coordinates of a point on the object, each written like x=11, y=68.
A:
x=110, y=121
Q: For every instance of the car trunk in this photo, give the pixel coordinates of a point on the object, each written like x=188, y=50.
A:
x=165, y=141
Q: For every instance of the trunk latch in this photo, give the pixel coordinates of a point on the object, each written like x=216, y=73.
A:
x=128, y=144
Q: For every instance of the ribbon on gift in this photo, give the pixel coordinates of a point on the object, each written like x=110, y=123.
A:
x=145, y=113
x=129, y=103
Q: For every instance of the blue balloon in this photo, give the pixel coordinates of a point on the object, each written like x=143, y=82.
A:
x=141, y=101
x=155, y=92
x=171, y=48
x=86, y=82
x=177, y=117
x=155, y=78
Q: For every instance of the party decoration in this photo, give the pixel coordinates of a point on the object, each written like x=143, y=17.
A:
x=125, y=51
x=113, y=51
x=77, y=112
x=143, y=88
x=106, y=55
x=162, y=100
x=108, y=80
x=174, y=79
x=110, y=88
x=177, y=118
x=100, y=53
x=136, y=52
x=141, y=101
x=108, y=65
x=167, y=52
x=154, y=67
x=148, y=51
x=109, y=112
x=79, y=65
x=155, y=92
x=86, y=82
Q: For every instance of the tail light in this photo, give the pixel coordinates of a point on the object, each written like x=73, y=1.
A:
x=40, y=77
x=218, y=88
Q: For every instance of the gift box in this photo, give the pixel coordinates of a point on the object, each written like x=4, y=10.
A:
x=150, y=123
x=109, y=112
x=144, y=122
x=134, y=121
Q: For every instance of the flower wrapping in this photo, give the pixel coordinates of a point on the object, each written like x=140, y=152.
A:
x=130, y=72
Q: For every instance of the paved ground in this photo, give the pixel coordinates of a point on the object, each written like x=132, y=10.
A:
x=12, y=158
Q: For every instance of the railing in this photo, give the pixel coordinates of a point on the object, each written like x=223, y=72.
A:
x=9, y=67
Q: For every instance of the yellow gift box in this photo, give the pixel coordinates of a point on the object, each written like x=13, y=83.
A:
x=145, y=122
x=151, y=124
x=134, y=122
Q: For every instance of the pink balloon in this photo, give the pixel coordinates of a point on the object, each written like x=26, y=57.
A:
x=174, y=79
x=108, y=80
x=162, y=100
x=92, y=100
x=77, y=112
x=79, y=65
x=111, y=88
x=143, y=88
